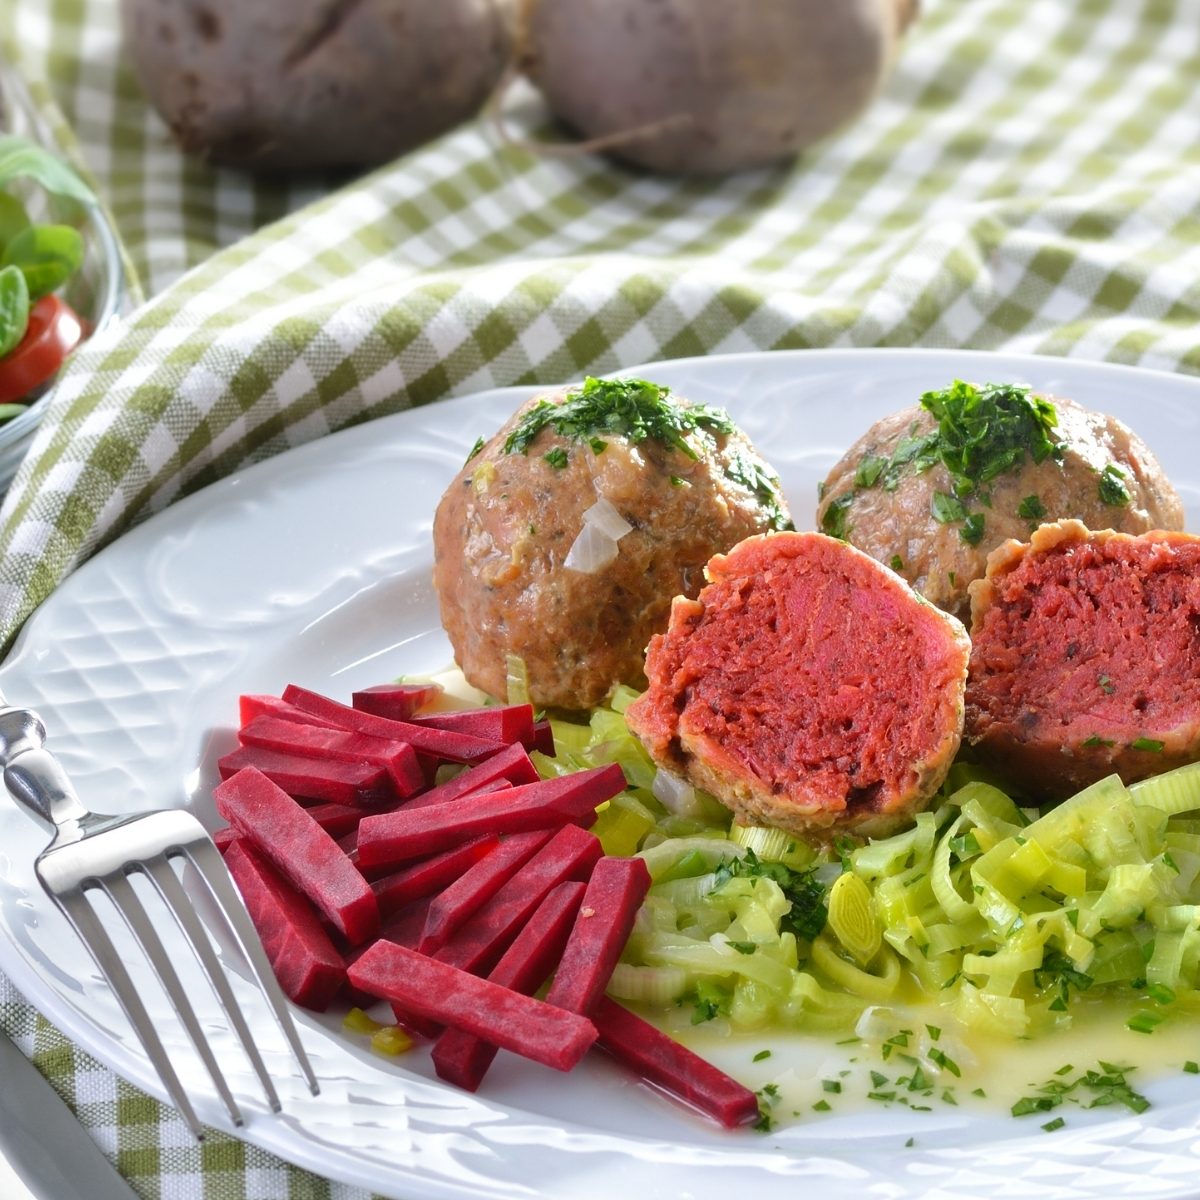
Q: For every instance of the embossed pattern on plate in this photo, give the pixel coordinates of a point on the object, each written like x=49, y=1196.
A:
x=314, y=568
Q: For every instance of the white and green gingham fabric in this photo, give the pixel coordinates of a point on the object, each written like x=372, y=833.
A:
x=1028, y=180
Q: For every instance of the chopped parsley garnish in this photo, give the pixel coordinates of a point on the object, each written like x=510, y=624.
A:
x=638, y=410
x=916, y=454
x=987, y=430
x=972, y=529
x=1107, y=1086
x=1144, y=1022
x=756, y=478
x=897, y=563
x=475, y=449
x=982, y=432
x=944, y=1061
x=806, y=918
x=1150, y=745
x=833, y=519
x=761, y=1055
x=1105, y=684
x=744, y=947
x=631, y=408
x=710, y=1001
x=1111, y=1087
x=1035, y=1104
x=1191, y=1067
x=1111, y=486
x=946, y=508
x=768, y=1097
x=870, y=467
x=1096, y=740
x=1031, y=508
x=845, y=847
x=1059, y=974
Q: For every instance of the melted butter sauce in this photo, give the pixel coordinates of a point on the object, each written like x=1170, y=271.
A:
x=822, y=1082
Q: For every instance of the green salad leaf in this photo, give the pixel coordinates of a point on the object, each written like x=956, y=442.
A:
x=47, y=255
x=14, y=308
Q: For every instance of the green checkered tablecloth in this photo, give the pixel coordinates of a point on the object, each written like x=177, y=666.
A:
x=1028, y=180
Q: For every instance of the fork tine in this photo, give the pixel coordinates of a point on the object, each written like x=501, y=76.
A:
x=171, y=890
x=211, y=868
x=79, y=912
x=120, y=892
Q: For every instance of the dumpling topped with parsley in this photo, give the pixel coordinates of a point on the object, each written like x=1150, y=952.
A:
x=565, y=536
x=933, y=489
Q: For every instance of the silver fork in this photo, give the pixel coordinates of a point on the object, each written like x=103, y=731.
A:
x=91, y=851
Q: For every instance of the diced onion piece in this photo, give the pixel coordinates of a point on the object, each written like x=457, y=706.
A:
x=675, y=794
x=595, y=546
x=605, y=517
x=591, y=551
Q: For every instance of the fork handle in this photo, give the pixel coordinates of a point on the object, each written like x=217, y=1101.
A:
x=31, y=773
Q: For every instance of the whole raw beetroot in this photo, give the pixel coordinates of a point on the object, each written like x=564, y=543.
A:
x=294, y=84
x=708, y=86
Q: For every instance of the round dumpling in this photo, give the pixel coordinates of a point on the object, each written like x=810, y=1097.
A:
x=1019, y=460
x=564, y=538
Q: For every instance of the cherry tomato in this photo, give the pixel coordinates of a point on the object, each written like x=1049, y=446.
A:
x=54, y=330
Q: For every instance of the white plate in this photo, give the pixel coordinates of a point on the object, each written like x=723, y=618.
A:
x=314, y=568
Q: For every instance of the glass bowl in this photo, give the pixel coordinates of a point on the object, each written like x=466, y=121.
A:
x=96, y=291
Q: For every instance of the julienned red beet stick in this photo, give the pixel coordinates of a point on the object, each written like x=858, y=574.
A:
x=659, y=1059
x=512, y=764
x=438, y=992
x=430, y=876
x=308, y=966
x=615, y=892
x=301, y=850
x=463, y=1058
x=478, y=944
x=321, y=742
x=308, y=779
x=474, y=887
x=439, y=743
x=405, y=833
